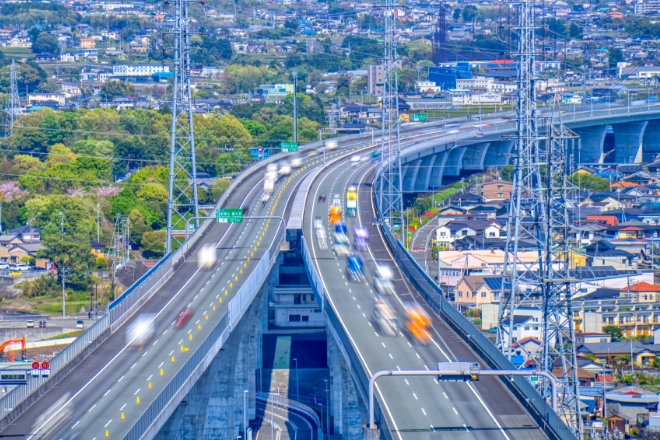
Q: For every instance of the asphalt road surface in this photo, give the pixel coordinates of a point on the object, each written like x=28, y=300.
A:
x=416, y=408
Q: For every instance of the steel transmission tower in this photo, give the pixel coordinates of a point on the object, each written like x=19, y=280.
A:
x=537, y=212
x=391, y=200
x=13, y=103
x=182, y=200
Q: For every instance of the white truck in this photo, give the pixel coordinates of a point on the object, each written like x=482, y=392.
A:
x=206, y=257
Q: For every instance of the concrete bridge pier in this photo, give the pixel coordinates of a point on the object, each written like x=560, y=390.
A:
x=348, y=411
x=213, y=409
x=592, y=140
x=475, y=154
x=651, y=141
x=497, y=153
x=628, y=138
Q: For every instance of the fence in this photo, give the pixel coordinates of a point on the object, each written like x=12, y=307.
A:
x=14, y=403
x=150, y=422
x=433, y=296
x=336, y=328
x=295, y=406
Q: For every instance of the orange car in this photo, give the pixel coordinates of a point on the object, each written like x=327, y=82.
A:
x=335, y=215
x=418, y=323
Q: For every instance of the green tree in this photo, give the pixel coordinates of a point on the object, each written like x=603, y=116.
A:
x=456, y=15
x=46, y=43
x=153, y=244
x=614, y=55
x=575, y=31
x=588, y=182
x=30, y=141
x=469, y=13
x=115, y=89
x=506, y=173
x=422, y=205
x=75, y=256
x=613, y=331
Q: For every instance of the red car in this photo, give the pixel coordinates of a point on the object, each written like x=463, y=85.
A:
x=183, y=317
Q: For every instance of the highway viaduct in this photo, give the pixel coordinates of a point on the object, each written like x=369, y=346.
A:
x=189, y=382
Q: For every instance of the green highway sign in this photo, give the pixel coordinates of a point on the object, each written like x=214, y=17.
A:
x=419, y=117
x=289, y=147
x=229, y=215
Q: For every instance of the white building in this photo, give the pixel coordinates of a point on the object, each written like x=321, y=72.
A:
x=37, y=98
x=138, y=70
x=427, y=86
x=68, y=57
x=295, y=306
x=477, y=99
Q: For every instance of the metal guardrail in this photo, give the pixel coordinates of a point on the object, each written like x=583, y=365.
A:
x=342, y=339
x=150, y=422
x=433, y=296
x=14, y=403
x=293, y=405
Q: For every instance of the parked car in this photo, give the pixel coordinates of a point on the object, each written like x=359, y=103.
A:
x=20, y=267
x=4, y=266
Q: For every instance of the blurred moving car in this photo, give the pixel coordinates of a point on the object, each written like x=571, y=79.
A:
x=384, y=280
x=418, y=323
x=384, y=316
x=183, y=317
x=320, y=233
x=361, y=238
x=140, y=331
x=285, y=169
x=206, y=257
x=341, y=245
x=331, y=145
x=355, y=268
x=296, y=161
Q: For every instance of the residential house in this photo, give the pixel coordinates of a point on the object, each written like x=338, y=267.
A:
x=87, y=43
x=606, y=352
x=39, y=98
x=98, y=248
x=642, y=292
x=497, y=190
x=473, y=290
x=448, y=233
x=630, y=405
x=454, y=264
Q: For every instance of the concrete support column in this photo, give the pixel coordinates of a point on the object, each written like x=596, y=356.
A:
x=423, y=175
x=497, y=154
x=213, y=409
x=455, y=161
x=437, y=170
x=628, y=141
x=475, y=155
x=345, y=406
x=592, y=139
x=651, y=141
x=410, y=175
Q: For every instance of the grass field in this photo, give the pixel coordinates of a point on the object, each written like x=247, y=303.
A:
x=17, y=52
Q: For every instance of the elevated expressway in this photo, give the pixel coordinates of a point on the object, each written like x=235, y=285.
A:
x=104, y=385
x=99, y=386
x=413, y=408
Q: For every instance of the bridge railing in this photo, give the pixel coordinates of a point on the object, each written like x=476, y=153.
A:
x=150, y=421
x=434, y=297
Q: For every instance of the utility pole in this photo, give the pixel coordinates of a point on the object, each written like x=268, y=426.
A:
x=98, y=222
x=295, y=107
x=14, y=104
x=538, y=212
x=182, y=200
x=391, y=199
x=61, y=224
x=63, y=292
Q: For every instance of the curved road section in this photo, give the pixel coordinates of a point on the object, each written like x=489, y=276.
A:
x=415, y=408
x=106, y=394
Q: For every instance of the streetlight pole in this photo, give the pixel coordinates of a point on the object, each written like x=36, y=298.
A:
x=63, y=292
x=327, y=409
x=297, y=380
x=245, y=417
